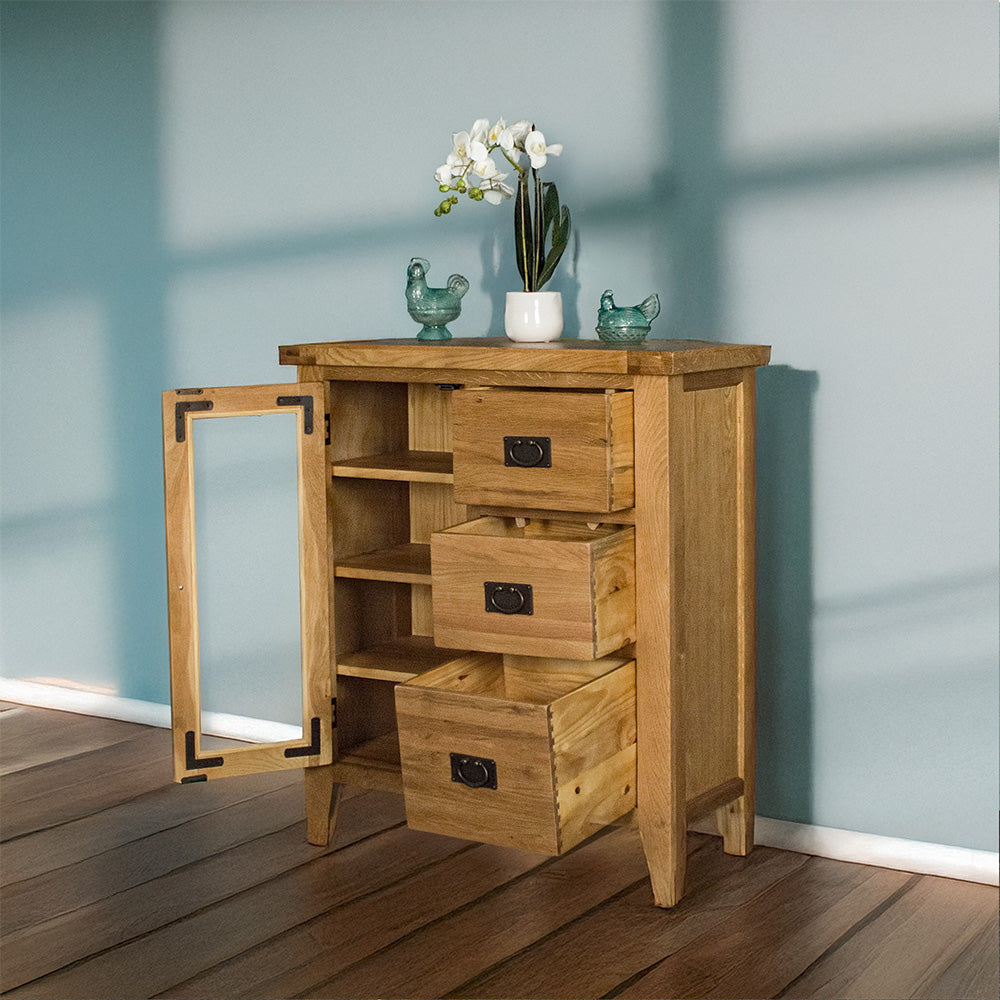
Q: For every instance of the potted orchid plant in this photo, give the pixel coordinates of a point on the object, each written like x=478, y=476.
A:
x=541, y=225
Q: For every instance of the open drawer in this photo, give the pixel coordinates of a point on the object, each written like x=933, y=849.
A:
x=519, y=751
x=546, y=588
x=542, y=449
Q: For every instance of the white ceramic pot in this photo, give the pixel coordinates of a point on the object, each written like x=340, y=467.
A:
x=533, y=317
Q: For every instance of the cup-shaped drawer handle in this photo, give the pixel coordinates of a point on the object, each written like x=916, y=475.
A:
x=476, y=772
x=528, y=452
x=509, y=598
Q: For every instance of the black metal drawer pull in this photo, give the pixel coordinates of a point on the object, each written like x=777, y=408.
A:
x=476, y=772
x=509, y=598
x=528, y=452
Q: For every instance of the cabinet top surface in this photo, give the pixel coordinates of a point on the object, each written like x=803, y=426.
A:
x=651, y=357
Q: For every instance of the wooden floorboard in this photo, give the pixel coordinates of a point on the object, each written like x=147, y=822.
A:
x=118, y=883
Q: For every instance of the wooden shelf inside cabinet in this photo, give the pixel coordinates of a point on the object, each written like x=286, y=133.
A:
x=406, y=563
x=399, y=466
x=401, y=660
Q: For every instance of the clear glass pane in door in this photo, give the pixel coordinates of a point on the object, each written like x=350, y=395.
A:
x=246, y=524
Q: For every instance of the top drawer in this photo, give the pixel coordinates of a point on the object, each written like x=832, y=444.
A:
x=545, y=450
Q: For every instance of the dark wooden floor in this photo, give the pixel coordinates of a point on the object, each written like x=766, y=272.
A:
x=118, y=883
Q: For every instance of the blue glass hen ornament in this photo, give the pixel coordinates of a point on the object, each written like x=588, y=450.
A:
x=625, y=324
x=433, y=307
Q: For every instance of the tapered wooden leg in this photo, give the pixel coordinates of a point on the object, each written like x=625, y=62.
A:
x=322, y=800
x=665, y=848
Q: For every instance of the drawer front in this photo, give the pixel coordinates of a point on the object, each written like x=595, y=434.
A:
x=526, y=753
x=547, y=590
x=545, y=450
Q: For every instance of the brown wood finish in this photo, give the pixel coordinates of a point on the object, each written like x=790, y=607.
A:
x=651, y=357
x=582, y=582
x=651, y=558
x=145, y=888
x=180, y=411
x=590, y=435
x=562, y=753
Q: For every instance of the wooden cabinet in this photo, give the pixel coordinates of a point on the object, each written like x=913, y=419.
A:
x=526, y=586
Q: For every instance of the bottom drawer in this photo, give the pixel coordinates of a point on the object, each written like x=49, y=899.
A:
x=520, y=751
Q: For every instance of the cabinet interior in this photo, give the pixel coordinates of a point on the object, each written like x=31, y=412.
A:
x=390, y=487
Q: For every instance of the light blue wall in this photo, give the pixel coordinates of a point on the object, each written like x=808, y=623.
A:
x=187, y=185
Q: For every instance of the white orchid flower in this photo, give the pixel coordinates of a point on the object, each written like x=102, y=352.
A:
x=512, y=137
x=443, y=174
x=479, y=155
x=538, y=151
x=493, y=137
x=460, y=145
x=479, y=130
x=487, y=169
x=497, y=190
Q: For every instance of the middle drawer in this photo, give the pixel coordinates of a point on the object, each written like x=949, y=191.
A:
x=549, y=588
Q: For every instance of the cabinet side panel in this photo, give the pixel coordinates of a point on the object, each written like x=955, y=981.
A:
x=712, y=592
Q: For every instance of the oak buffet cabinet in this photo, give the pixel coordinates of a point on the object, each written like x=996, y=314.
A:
x=526, y=587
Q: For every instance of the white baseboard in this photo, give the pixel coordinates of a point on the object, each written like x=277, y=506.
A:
x=148, y=713
x=882, y=852
x=841, y=845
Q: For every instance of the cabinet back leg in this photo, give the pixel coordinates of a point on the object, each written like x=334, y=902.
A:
x=735, y=823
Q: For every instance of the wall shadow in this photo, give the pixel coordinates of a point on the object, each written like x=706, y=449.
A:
x=696, y=192
x=785, y=592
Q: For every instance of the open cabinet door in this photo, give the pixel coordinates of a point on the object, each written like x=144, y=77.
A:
x=181, y=408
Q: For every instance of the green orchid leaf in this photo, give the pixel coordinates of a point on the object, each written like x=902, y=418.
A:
x=561, y=228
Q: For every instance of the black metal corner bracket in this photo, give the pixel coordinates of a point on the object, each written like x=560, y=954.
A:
x=314, y=746
x=306, y=402
x=191, y=761
x=181, y=408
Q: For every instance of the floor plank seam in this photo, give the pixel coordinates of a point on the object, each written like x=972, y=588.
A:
x=700, y=846
x=179, y=869
x=136, y=840
x=198, y=911
x=692, y=900
x=321, y=916
x=911, y=883
x=34, y=770
x=451, y=914
x=470, y=984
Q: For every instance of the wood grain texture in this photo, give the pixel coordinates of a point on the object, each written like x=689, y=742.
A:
x=660, y=623
x=590, y=435
x=406, y=466
x=561, y=755
x=655, y=357
x=178, y=458
x=75, y=735
x=582, y=584
x=209, y=890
